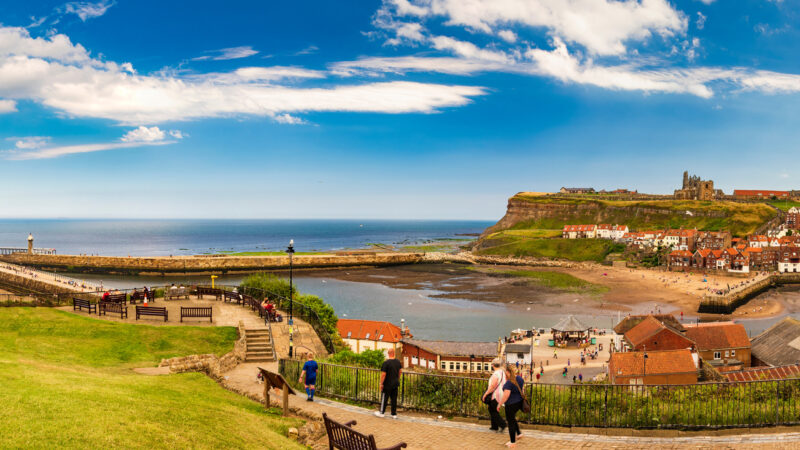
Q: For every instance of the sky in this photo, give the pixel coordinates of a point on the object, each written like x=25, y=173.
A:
x=393, y=109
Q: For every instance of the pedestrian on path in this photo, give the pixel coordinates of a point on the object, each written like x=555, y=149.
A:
x=309, y=376
x=390, y=381
x=492, y=395
x=512, y=399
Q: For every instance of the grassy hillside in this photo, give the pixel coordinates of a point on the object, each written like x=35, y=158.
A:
x=784, y=205
x=571, y=249
x=738, y=218
x=65, y=382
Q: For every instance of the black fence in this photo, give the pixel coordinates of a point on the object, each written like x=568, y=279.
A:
x=697, y=406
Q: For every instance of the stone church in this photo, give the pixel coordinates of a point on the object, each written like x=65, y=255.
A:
x=696, y=189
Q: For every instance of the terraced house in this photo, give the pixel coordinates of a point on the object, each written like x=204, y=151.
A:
x=723, y=345
x=579, y=232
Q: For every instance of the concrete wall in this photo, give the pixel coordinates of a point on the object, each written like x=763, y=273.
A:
x=200, y=264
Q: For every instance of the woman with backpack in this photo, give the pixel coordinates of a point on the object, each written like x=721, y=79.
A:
x=514, y=401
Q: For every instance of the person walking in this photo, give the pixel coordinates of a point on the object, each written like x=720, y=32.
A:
x=492, y=395
x=390, y=381
x=512, y=399
x=309, y=376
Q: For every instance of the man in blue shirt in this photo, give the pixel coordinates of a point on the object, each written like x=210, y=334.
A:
x=309, y=376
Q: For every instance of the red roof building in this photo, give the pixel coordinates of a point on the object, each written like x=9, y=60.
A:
x=363, y=335
x=652, y=334
x=744, y=193
x=651, y=368
x=724, y=345
x=764, y=373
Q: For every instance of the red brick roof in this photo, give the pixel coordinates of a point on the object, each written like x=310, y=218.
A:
x=759, y=193
x=646, y=328
x=685, y=253
x=658, y=362
x=717, y=335
x=569, y=228
x=372, y=330
x=764, y=373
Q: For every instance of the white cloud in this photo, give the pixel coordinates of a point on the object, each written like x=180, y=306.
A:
x=88, y=10
x=62, y=75
x=308, y=50
x=30, y=142
x=508, y=36
x=288, y=119
x=707, y=2
x=8, y=106
x=700, y=23
x=600, y=26
x=225, y=54
x=467, y=49
x=35, y=147
x=144, y=134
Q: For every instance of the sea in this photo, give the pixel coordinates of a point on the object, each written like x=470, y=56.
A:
x=199, y=236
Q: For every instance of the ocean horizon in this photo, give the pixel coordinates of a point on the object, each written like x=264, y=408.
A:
x=163, y=237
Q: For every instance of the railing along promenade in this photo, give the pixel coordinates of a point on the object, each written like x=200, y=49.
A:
x=696, y=406
x=36, y=251
x=727, y=303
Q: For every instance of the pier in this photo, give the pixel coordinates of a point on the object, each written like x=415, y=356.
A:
x=36, y=251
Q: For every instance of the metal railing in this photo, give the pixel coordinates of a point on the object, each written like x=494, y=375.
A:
x=694, y=406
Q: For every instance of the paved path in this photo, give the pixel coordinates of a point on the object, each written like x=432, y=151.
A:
x=62, y=282
x=426, y=432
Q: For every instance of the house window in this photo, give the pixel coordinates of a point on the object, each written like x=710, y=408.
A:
x=717, y=355
x=367, y=336
x=380, y=338
x=458, y=367
x=451, y=366
x=349, y=333
x=520, y=356
x=486, y=367
x=727, y=353
x=733, y=353
x=414, y=360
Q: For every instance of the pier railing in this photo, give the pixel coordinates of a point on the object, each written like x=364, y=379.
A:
x=696, y=406
x=36, y=251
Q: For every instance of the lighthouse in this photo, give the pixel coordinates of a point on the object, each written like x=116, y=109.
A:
x=30, y=243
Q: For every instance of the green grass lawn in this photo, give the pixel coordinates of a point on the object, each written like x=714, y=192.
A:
x=65, y=382
x=555, y=280
x=784, y=205
x=571, y=249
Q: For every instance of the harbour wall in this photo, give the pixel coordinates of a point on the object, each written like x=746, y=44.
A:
x=204, y=264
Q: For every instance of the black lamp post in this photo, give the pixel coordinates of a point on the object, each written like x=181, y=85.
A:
x=290, y=251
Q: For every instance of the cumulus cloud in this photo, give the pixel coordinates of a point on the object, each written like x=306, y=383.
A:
x=59, y=74
x=7, y=106
x=288, y=119
x=700, y=23
x=144, y=134
x=600, y=26
x=225, y=54
x=88, y=10
x=29, y=142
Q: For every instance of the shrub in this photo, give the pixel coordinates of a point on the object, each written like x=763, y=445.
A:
x=367, y=358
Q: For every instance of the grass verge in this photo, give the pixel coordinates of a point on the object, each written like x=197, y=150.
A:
x=571, y=249
x=64, y=384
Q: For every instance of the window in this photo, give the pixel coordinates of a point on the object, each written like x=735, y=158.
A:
x=367, y=336
x=727, y=353
x=458, y=366
x=520, y=356
x=414, y=360
x=486, y=367
x=380, y=338
x=733, y=353
x=451, y=366
x=349, y=333
x=717, y=355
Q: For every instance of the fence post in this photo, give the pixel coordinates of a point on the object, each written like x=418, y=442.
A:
x=462, y=397
x=403, y=389
x=777, y=395
x=356, y=396
x=605, y=406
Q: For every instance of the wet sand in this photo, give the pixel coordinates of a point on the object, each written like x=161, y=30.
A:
x=629, y=291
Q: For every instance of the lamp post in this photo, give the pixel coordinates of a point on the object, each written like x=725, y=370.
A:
x=290, y=251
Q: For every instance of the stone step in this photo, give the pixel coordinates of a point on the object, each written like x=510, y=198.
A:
x=259, y=360
x=256, y=330
x=259, y=345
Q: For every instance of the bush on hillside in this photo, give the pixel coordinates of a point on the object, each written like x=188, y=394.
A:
x=367, y=358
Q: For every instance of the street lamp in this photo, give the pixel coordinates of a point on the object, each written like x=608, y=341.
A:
x=290, y=251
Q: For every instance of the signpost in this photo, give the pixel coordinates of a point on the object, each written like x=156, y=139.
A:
x=276, y=380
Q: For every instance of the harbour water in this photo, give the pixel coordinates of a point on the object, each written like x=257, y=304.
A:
x=428, y=317
x=187, y=237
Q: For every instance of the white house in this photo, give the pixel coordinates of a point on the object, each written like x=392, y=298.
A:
x=789, y=260
x=607, y=231
x=518, y=352
x=362, y=335
x=579, y=232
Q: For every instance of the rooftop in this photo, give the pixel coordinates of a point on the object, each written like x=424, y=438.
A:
x=369, y=329
x=631, y=321
x=718, y=335
x=764, y=373
x=779, y=345
x=658, y=362
x=453, y=348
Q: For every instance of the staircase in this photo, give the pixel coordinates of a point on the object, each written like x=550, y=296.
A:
x=258, y=345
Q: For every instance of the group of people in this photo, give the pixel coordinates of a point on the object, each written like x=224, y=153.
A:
x=505, y=389
x=272, y=314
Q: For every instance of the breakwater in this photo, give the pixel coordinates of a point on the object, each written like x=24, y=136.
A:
x=726, y=304
x=204, y=264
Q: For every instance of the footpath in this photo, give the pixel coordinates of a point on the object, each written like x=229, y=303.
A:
x=426, y=432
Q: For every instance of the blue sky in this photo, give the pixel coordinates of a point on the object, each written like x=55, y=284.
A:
x=428, y=109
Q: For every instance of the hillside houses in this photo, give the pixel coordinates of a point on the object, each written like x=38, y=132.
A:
x=793, y=218
x=579, y=232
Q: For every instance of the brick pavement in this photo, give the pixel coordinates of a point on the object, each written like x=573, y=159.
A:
x=426, y=432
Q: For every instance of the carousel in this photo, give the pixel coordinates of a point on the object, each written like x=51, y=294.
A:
x=570, y=332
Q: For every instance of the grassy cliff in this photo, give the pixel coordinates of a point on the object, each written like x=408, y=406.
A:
x=532, y=223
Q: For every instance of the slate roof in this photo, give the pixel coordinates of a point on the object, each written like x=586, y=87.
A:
x=779, y=345
x=631, y=321
x=658, y=363
x=764, y=373
x=518, y=348
x=717, y=335
x=452, y=348
x=569, y=323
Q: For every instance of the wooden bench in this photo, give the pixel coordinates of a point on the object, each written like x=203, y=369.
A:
x=343, y=436
x=151, y=311
x=117, y=298
x=232, y=296
x=197, y=312
x=176, y=293
x=116, y=308
x=137, y=297
x=79, y=304
x=201, y=291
